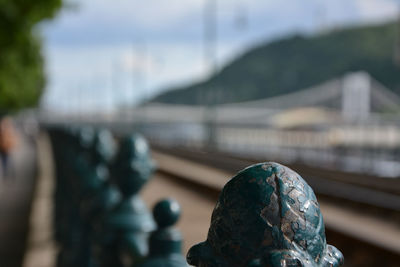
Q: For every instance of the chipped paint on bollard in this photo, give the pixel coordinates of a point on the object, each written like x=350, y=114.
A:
x=266, y=215
x=166, y=242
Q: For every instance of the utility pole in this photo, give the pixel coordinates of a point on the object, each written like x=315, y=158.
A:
x=115, y=88
x=320, y=20
x=396, y=54
x=241, y=19
x=139, y=76
x=134, y=76
x=210, y=53
x=210, y=35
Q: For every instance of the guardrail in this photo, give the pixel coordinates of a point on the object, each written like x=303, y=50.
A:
x=100, y=219
x=266, y=215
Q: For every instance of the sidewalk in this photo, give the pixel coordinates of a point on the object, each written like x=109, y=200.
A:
x=41, y=248
x=15, y=201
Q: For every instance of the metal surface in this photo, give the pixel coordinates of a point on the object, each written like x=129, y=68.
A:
x=266, y=212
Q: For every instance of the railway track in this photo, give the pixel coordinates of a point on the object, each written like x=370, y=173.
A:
x=363, y=234
x=377, y=193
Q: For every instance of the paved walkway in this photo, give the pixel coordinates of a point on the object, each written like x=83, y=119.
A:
x=15, y=198
x=41, y=248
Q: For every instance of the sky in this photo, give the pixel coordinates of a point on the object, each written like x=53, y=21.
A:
x=102, y=54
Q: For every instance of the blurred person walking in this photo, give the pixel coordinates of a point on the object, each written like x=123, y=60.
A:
x=8, y=141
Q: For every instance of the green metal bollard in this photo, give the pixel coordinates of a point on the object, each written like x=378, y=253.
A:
x=96, y=156
x=84, y=154
x=60, y=138
x=83, y=192
x=99, y=196
x=126, y=228
x=68, y=224
x=166, y=242
x=103, y=148
x=266, y=215
x=59, y=207
x=81, y=180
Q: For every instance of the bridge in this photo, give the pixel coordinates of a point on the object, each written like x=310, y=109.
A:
x=350, y=123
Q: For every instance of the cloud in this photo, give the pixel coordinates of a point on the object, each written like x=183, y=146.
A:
x=147, y=13
x=151, y=45
x=92, y=73
x=102, y=21
x=97, y=21
x=377, y=10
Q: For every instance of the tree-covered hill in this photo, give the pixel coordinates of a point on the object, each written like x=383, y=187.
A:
x=295, y=63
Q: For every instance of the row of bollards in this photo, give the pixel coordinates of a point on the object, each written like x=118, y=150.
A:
x=100, y=219
x=266, y=215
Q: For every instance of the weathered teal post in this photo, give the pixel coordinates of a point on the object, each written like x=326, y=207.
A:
x=102, y=195
x=266, y=215
x=127, y=226
x=97, y=196
x=83, y=192
x=165, y=243
x=69, y=231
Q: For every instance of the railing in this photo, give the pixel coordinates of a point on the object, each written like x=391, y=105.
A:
x=266, y=215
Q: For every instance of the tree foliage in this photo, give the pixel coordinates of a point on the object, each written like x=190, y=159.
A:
x=296, y=63
x=21, y=63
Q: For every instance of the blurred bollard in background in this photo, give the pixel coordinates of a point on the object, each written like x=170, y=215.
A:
x=95, y=223
x=126, y=227
x=165, y=243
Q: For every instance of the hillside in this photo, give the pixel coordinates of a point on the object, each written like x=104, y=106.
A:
x=295, y=63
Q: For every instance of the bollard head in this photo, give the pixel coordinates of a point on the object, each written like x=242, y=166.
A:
x=129, y=223
x=268, y=214
x=166, y=241
x=85, y=136
x=103, y=146
x=166, y=213
x=133, y=165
